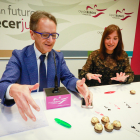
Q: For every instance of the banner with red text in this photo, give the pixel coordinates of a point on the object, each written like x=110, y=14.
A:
x=80, y=22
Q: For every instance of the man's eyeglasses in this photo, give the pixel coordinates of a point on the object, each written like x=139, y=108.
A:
x=47, y=35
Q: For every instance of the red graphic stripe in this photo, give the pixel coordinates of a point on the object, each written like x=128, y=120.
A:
x=95, y=5
x=98, y=14
x=129, y=13
x=88, y=7
x=109, y=92
x=118, y=11
x=117, y=106
x=102, y=114
x=97, y=112
x=100, y=9
x=125, y=18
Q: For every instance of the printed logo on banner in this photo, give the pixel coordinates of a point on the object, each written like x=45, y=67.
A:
x=92, y=11
x=15, y=24
x=121, y=14
x=101, y=32
x=58, y=100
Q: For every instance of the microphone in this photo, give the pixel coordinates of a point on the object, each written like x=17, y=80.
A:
x=57, y=97
x=56, y=90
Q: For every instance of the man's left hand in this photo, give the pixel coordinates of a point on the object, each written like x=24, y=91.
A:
x=83, y=89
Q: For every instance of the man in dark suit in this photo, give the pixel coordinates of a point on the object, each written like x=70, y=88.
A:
x=25, y=69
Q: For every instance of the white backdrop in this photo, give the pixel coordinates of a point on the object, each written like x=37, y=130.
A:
x=80, y=22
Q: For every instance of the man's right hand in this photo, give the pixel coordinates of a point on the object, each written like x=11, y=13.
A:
x=23, y=99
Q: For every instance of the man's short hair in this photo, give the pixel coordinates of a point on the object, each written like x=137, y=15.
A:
x=37, y=15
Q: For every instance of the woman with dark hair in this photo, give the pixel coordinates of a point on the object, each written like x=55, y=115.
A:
x=110, y=63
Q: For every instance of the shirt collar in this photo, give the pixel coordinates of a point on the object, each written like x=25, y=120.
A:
x=38, y=53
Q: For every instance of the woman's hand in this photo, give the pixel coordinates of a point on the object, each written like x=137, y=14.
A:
x=94, y=76
x=120, y=77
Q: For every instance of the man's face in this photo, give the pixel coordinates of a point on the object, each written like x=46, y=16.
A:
x=44, y=26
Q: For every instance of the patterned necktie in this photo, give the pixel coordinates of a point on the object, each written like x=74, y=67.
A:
x=42, y=72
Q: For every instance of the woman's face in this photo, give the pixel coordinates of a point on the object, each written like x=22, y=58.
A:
x=111, y=42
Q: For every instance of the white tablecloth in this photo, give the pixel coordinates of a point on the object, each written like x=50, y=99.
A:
x=80, y=118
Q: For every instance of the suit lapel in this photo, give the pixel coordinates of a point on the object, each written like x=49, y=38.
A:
x=31, y=63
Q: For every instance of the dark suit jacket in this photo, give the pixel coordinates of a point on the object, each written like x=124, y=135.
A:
x=22, y=69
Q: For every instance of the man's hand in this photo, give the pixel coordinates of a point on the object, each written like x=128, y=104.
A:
x=94, y=76
x=120, y=77
x=83, y=89
x=23, y=99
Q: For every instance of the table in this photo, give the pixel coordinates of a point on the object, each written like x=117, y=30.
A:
x=80, y=118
